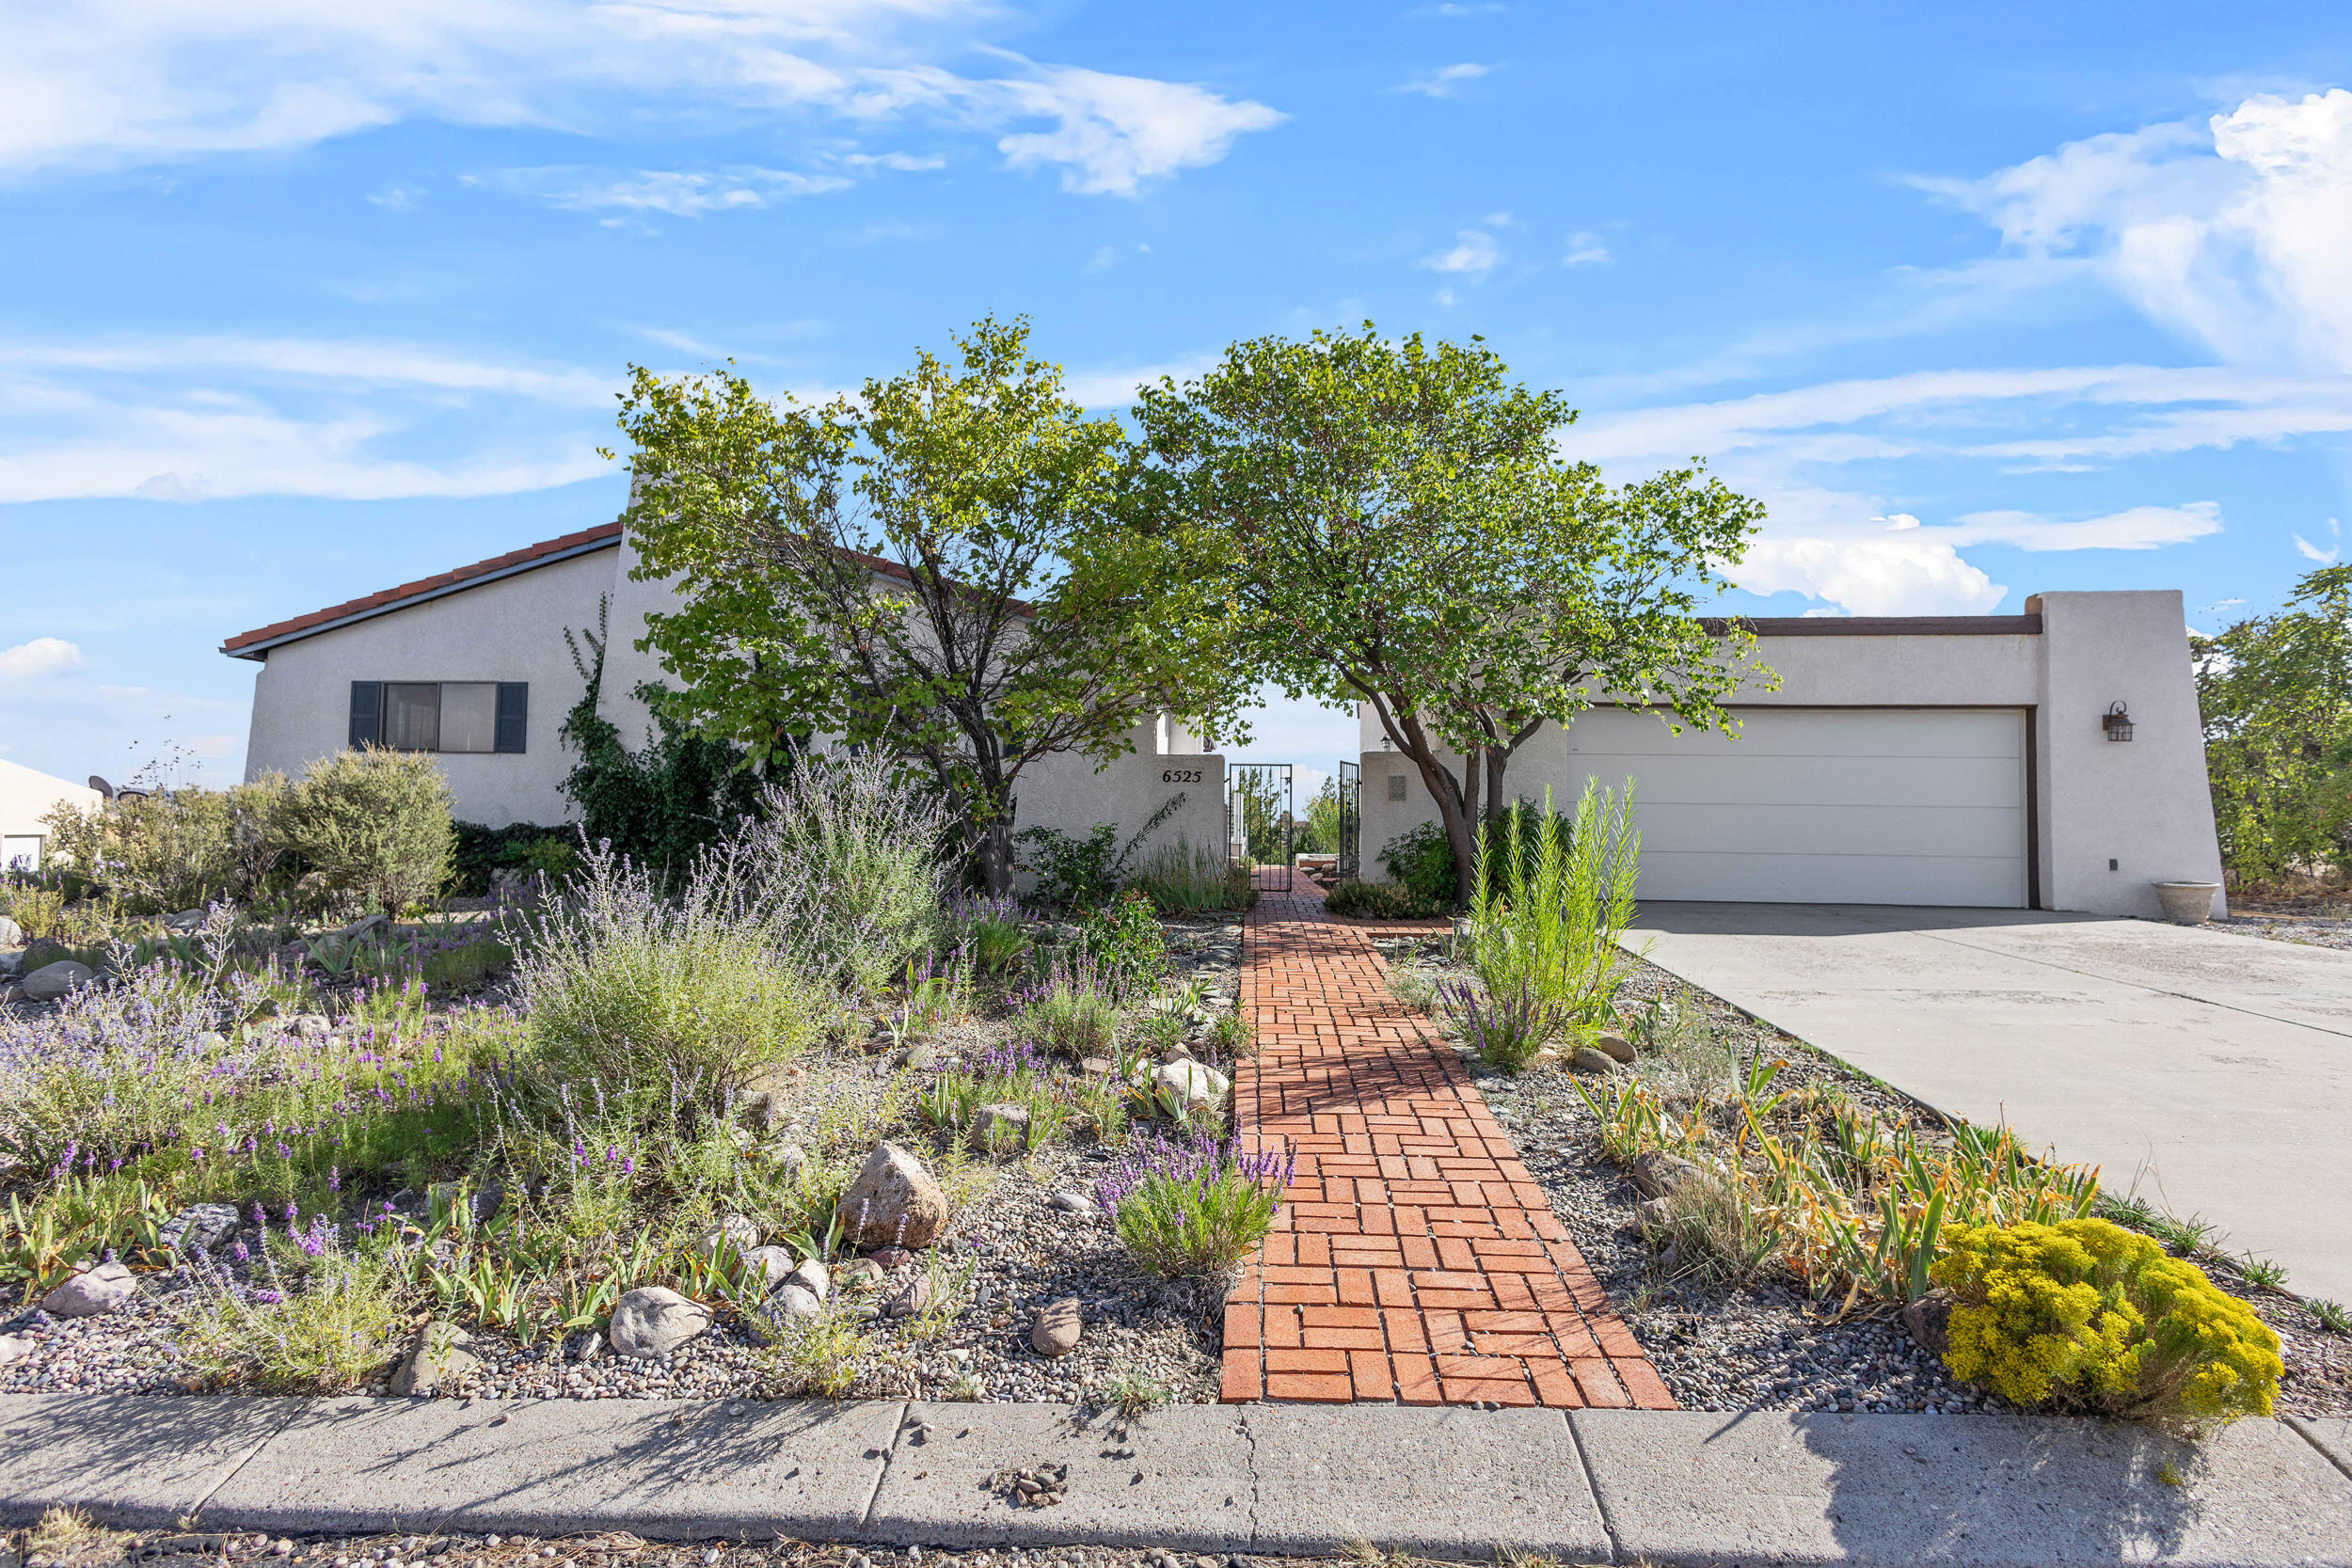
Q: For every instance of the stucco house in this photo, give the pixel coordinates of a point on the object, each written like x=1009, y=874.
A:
x=26, y=796
x=2050, y=760
x=471, y=664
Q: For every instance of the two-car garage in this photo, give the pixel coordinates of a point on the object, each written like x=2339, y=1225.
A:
x=1822, y=805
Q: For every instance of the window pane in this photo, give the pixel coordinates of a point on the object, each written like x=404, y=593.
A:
x=412, y=716
x=470, y=716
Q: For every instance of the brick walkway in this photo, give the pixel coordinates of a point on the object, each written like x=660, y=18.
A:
x=1416, y=1261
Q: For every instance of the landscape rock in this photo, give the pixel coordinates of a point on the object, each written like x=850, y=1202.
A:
x=11, y=934
x=742, y=1234
x=858, y=1274
x=1656, y=1173
x=788, y=1159
x=1096, y=1067
x=1651, y=1213
x=1058, y=1327
x=53, y=980
x=184, y=921
x=367, y=924
x=1589, y=1060
x=795, y=1301
x=1930, y=1320
x=769, y=1265
x=1073, y=1203
x=40, y=951
x=653, y=1321
x=1614, y=1046
x=1192, y=1084
x=810, y=1276
x=199, y=1228
x=912, y=1298
x=438, y=1354
x=1002, y=1121
x=312, y=1026
x=15, y=1347
x=890, y=1258
x=94, y=1290
x=894, y=1200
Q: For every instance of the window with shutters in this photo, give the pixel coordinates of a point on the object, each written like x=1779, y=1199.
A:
x=442, y=716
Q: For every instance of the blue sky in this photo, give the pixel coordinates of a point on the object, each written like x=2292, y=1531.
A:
x=1980, y=301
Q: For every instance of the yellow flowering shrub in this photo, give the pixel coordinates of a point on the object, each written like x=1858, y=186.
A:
x=2087, y=1315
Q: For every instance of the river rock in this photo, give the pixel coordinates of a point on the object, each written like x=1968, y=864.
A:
x=653, y=1321
x=770, y=1266
x=795, y=1301
x=1589, y=1060
x=1073, y=1202
x=858, y=1274
x=894, y=1200
x=810, y=1276
x=199, y=1228
x=184, y=921
x=438, y=1354
x=1614, y=1046
x=1058, y=1327
x=53, y=980
x=15, y=1347
x=735, y=1230
x=1191, y=1084
x=1003, y=1121
x=92, y=1291
x=912, y=1298
x=1656, y=1173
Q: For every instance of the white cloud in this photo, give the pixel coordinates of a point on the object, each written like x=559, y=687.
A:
x=1446, y=81
x=2310, y=551
x=1115, y=388
x=1585, y=249
x=1474, y=252
x=1116, y=133
x=103, y=84
x=679, y=194
x=1871, y=576
x=2138, y=528
x=2235, y=233
x=42, y=656
x=188, y=418
x=399, y=199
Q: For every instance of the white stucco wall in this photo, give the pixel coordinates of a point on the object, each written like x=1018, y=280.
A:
x=508, y=629
x=26, y=796
x=1065, y=793
x=2144, y=804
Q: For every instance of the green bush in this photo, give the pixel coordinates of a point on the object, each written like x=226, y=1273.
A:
x=178, y=849
x=1193, y=1209
x=373, y=828
x=482, y=851
x=1183, y=878
x=653, y=1009
x=1124, y=939
x=1361, y=900
x=1420, y=860
x=2084, y=1314
x=1546, y=915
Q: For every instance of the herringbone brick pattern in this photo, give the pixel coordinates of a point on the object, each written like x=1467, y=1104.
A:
x=1415, y=1259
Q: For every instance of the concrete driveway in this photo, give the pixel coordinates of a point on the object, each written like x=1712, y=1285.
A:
x=2210, y=1072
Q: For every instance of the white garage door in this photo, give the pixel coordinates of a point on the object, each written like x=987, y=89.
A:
x=1820, y=805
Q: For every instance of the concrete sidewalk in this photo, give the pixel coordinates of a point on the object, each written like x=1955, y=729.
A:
x=2212, y=1071
x=1663, y=1488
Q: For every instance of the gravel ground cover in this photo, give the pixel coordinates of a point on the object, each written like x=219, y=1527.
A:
x=1026, y=1234
x=51, y=1546
x=2286, y=923
x=1767, y=1345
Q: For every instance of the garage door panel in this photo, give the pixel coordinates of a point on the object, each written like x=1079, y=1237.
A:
x=1776, y=879
x=1829, y=830
x=1824, y=779
x=1801, y=732
x=1901, y=806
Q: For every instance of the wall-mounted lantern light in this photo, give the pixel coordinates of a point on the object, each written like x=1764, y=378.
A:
x=2117, y=722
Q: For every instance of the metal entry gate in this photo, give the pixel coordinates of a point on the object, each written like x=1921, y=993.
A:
x=1351, y=793
x=1260, y=828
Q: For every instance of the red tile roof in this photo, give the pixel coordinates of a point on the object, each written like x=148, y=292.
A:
x=252, y=644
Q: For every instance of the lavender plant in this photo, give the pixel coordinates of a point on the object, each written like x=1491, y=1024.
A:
x=1194, y=1208
x=1066, y=1009
x=1509, y=1029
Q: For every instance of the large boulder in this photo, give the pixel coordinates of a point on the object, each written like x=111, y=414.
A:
x=893, y=1202
x=1191, y=1084
x=52, y=981
x=652, y=1320
x=94, y=1290
x=438, y=1354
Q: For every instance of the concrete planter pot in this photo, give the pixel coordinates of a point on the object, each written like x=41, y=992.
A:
x=2186, y=903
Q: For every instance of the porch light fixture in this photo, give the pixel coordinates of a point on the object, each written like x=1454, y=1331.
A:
x=2117, y=722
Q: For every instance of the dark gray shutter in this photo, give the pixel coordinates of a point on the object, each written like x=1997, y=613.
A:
x=367, y=713
x=514, y=714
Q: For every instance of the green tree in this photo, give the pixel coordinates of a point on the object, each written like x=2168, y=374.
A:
x=1393, y=523
x=939, y=569
x=2275, y=693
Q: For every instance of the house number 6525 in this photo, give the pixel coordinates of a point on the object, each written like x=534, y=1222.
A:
x=1180, y=775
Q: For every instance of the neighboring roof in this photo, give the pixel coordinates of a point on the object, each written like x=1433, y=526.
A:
x=1882, y=625
x=255, y=643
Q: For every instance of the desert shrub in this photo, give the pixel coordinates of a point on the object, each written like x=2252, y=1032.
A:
x=1420, y=860
x=178, y=849
x=2088, y=1315
x=37, y=910
x=1185, y=879
x=1360, y=900
x=328, y=1332
x=481, y=852
x=1006, y=1075
x=648, y=1008
x=846, y=852
x=372, y=826
x=1506, y=1029
x=1124, y=939
x=1195, y=1207
x=1548, y=921
x=1066, y=1010
x=990, y=931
